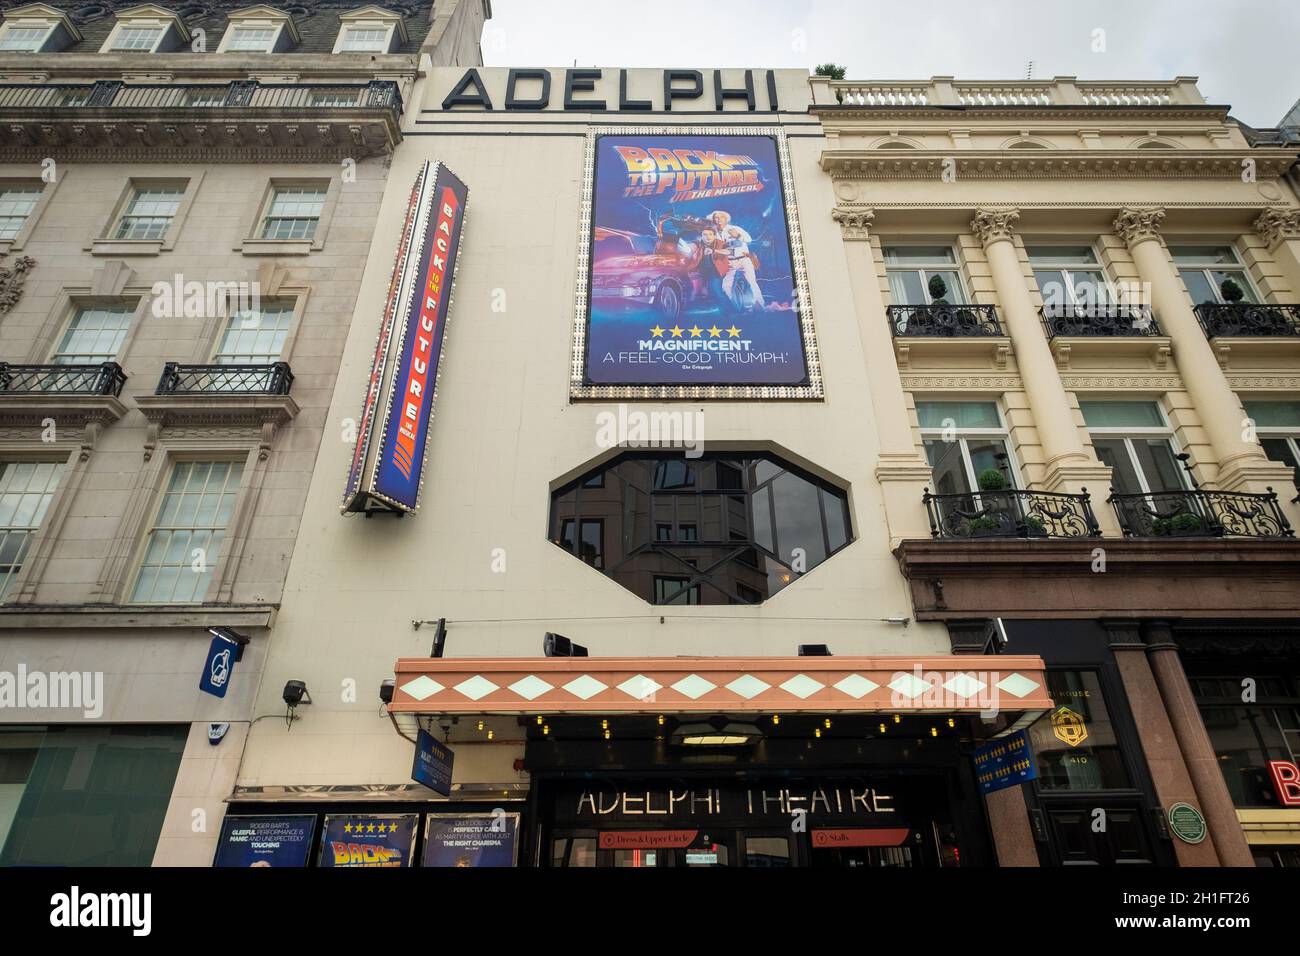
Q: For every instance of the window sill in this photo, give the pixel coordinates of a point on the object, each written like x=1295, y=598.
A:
x=126, y=247
x=276, y=247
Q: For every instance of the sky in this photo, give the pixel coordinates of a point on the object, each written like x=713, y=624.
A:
x=1246, y=52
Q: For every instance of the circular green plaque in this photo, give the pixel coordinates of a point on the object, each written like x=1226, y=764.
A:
x=1187, y=823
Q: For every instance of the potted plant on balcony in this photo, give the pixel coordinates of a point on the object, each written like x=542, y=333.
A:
x=995, y=504
x=1232, y=293
x=938, y=290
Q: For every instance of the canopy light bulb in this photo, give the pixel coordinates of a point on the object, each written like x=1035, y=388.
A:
x=897, y=719
x=480, y=725
x=776, y=718
x=934, y=731
x=951, y=722
x=828, y=723
x=817, y=731
x=882, y=728
x=491, y=734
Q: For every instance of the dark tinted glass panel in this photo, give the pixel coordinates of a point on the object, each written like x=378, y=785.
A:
x=705, y=531
x=1075, y=743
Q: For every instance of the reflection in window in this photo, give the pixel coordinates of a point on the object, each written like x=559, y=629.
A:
x=712, y=530
x=1246, y=736
x=1075, y=743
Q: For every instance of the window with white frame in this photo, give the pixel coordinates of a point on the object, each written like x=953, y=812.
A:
x=136, y=39
x=255, y=336
x=183, y=546
x=923, y=275
x=1212, y=272
x=16, y=206
x=150, y=211
x=26, y=488
x=1134, y=438
x=251, y=39
x=94, y=335
x=24, y=39
x=1277, y=425
x=1070, y=279
x=962, y=441
x=364, y=39
x=294, y=212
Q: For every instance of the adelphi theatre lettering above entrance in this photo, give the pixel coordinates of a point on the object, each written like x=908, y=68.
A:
x=860, y=800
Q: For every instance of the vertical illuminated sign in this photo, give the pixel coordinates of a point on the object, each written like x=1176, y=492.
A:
x=387, y=472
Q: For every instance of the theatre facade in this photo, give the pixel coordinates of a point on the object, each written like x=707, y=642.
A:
x=738, y=468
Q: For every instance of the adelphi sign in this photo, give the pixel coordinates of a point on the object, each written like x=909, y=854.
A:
x=591, y=90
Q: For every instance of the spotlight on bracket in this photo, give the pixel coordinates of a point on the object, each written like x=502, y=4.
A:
x=386, y=690
x=557, y=645
x=814, y=650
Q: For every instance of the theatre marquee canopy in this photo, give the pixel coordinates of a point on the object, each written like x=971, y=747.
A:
x=635, y=685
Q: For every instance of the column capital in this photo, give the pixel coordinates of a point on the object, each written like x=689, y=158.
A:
x=1135, y=225
x=1277, y=225
x=855, y=222
x=994, y=224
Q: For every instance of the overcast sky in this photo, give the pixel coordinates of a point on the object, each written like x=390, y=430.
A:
x=1246, y=52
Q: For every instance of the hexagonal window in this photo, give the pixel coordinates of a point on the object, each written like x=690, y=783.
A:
x=719, y=529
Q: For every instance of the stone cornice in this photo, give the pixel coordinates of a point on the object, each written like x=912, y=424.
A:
x=992, y=225
x=95, y=616
x=855, y=222
x=1191, y=577
x=1055, y=164
x=1136, y=225
x=1278, y=225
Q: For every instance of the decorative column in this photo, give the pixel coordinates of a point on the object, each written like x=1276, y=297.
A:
x=1194, y=743
x=902, y=469
x=1281, y=230
x=1069, y=465
x=1159, y=743
x=1242, y=464
x=1013, y=838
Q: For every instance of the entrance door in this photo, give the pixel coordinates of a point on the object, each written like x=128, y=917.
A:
x=1082, y=837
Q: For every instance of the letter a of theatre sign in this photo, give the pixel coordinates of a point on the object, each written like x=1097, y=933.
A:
x=388, y=461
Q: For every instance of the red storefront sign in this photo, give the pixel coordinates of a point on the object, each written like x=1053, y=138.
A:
x=860, y=836
x=1286, y=781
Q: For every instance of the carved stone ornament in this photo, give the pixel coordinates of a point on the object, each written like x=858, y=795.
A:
x=994, y=224
x=1276, y=225
x=1136, y=225
x=12, y=278
x=855, y=223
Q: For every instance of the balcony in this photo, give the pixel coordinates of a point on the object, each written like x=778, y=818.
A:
x=1011, y=513
x=254, y=397
x=72, y=396
x=932, y=331
x=231, y=121
x=1248, y=330
x=105, y=378
x=1201, y=514
x=272, y=379
x=1105, y=331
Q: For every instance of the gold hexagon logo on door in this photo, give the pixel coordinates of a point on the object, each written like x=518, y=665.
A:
x=1069, y=727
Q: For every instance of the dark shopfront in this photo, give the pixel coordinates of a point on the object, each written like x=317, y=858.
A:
x=870, y=790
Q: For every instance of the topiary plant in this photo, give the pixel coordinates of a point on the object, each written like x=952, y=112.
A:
x=1035, y=527
x=1230, y=291
x=991, y=479
x=938, y=290
x=982, y=523
x=1185, y=523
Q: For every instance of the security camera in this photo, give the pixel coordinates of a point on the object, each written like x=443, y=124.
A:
x=295, y=693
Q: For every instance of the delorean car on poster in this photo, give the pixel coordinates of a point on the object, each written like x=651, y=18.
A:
x=691, y=276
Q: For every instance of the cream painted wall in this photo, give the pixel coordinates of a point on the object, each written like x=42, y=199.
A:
x=504, y=429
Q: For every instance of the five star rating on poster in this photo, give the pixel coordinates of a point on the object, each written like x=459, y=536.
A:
x=696, y=332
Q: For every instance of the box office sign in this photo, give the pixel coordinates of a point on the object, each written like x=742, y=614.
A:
x=369, y=840
x=433, y=763
x=1005, y=762
x=387, y=467
x=691, y=279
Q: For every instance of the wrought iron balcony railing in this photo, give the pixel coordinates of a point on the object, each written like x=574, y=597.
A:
x=106, y=378
x=1099, y=321
x=1241, y=319
x=270, y=379
x=1184, y=514
x=1011, y=513
x=943, y=321
x=247, y=94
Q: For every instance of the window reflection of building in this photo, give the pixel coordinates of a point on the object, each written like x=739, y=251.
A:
x=1247, y=733
x=1093, y=761
x=712, y=530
